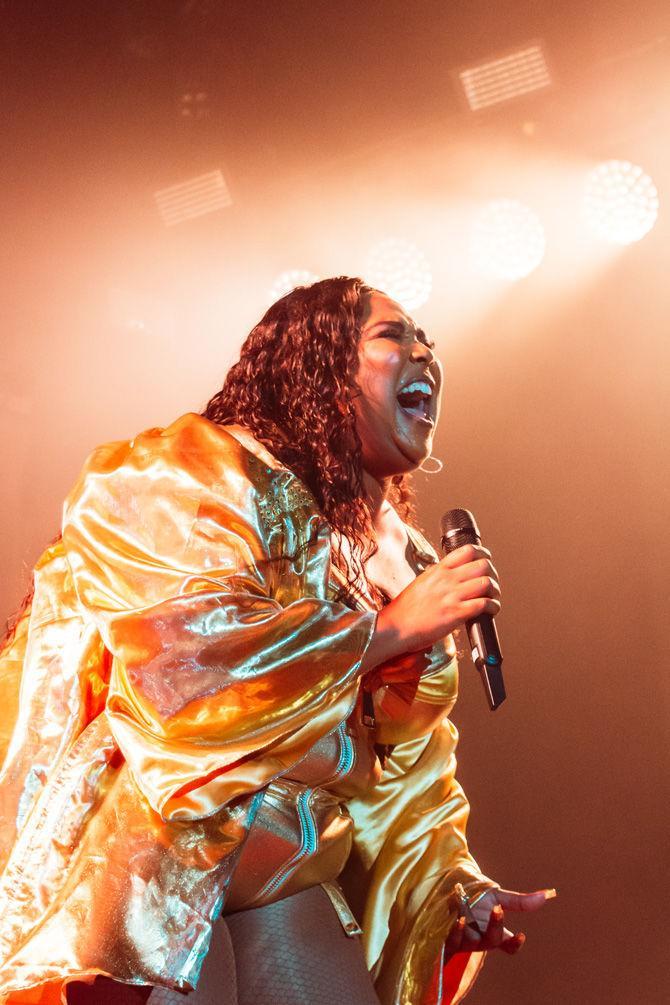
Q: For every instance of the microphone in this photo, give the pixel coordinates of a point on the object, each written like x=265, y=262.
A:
x=458, y=528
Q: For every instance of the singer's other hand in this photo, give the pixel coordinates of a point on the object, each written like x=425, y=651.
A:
x=461, y=586
x=489, y=915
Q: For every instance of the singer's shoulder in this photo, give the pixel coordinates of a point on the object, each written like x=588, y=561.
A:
x=190, y=441
x=183, y=460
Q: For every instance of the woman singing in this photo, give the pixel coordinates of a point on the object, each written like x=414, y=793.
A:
x=233, y=691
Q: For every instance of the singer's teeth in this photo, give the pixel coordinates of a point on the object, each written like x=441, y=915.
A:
x=418, y=387
x=415, y=398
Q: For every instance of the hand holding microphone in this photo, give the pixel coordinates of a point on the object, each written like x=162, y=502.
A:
x=462, y=588
x=458, y=529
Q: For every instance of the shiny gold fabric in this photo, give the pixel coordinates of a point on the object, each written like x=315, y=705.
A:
x=181, y=652
x=409, y=838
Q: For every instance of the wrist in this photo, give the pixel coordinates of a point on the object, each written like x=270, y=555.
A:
x=388, y=640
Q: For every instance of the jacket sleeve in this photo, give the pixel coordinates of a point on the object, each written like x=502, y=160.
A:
x=206, y=573
x=410, y=847
x=410, y=852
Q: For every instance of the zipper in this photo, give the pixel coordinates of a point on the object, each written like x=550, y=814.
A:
x=308, y=825
x=309, y=838
x=347, y=753
x=308, y=843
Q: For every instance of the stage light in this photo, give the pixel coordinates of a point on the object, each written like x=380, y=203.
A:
x=136, y=325
x=193, y=198
x=398, y=268
x=508, y=240
x=620, y=202
x=509, y=76
x=287, y=281
x=194, y=105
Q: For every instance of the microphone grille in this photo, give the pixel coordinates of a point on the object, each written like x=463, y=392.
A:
x=458, y=527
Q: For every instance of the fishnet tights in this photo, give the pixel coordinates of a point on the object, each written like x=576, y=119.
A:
x=294, y=952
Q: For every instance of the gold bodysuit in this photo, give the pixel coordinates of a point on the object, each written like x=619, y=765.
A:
x=181, y=715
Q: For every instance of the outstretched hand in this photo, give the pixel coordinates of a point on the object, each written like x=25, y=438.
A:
x=482, y=925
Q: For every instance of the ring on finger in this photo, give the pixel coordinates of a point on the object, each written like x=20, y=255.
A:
x=466, y=910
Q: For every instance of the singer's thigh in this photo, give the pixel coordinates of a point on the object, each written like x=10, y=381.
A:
x=295, y=952
x=217, y=984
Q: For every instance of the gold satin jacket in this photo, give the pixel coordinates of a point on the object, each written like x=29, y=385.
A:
x=182, y=652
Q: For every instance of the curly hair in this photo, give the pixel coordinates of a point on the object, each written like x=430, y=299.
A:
x=294, y=387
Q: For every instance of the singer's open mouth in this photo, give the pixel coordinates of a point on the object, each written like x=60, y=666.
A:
x=415, y=400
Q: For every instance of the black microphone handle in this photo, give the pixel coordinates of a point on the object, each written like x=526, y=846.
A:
x=459, y=528
x=487, y=657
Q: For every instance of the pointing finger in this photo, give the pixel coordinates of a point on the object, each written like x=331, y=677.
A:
x=513, y=901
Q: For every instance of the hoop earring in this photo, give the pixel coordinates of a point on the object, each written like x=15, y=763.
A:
x=431, y=471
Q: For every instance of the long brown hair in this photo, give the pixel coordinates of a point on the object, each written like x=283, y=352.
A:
x=294, y=386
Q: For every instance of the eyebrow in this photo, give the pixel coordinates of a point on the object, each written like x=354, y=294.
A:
x=399, y=326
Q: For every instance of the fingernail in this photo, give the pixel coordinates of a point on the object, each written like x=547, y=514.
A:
x=497, y=912
x=550, y=894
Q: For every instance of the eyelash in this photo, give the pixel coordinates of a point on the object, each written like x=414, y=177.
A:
x=391, y=333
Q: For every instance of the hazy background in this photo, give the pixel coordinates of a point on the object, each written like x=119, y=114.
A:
x=336, y=125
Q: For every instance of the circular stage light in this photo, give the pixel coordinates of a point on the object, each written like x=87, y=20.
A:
x=620, y=202
x=287, y=281
x=398, y=268
x=508, y=240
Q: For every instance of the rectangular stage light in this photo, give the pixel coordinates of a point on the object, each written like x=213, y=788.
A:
x=195, y=197
x=504, y=78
